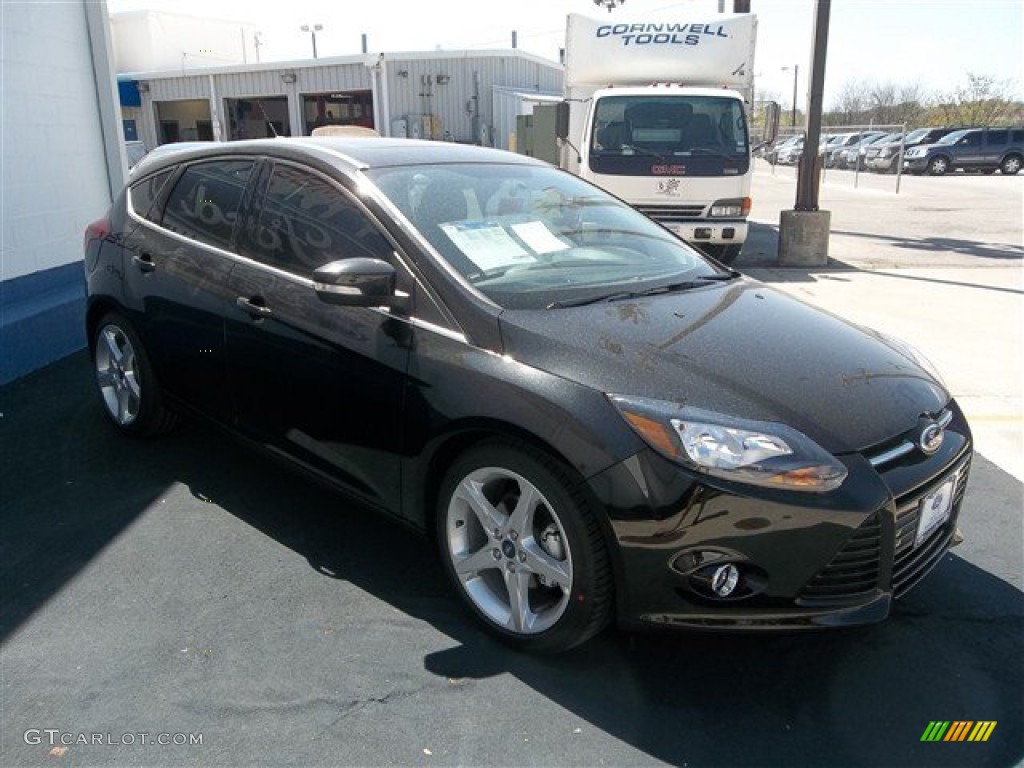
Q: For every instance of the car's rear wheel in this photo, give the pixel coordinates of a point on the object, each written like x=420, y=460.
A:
x=1011, y=165
x=523, y=548
x=127, y=385
x=938, y=166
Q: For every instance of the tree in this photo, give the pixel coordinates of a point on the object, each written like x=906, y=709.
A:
x=982, y=101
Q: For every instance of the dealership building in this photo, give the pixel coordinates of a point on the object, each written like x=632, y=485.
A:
x=77, y=84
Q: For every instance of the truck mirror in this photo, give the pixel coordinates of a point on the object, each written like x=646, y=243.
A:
x=772, y=111
x=562, y=120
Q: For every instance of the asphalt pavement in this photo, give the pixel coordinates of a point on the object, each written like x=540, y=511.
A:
x=187, y=589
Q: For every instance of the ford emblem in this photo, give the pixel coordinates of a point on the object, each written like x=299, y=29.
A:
x=931, y=438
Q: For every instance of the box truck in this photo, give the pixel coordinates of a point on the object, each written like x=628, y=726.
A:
x=657, y=114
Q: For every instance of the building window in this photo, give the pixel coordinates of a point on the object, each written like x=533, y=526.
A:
x=258, y=118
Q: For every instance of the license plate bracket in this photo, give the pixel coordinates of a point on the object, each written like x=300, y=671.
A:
x=934, y=510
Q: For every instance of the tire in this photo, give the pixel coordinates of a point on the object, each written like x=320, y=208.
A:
x=536, y=573
x=1011, y=165
x=938, y=166
x=727, y=254
x=127, y=386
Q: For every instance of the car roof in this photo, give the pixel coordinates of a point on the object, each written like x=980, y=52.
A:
x=348, y=152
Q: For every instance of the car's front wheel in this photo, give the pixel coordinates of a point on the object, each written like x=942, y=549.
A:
x=523, y=548
x=127, y=385
x=938, y=166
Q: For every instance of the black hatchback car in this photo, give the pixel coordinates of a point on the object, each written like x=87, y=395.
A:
x=592, y=419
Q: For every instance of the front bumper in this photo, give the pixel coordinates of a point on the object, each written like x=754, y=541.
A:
x=807, y=560
x=710, y=231
x=915, y=165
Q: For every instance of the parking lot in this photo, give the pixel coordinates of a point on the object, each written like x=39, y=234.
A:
x=188, y=587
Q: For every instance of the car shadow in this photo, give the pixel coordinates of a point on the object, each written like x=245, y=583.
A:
x=952, y=651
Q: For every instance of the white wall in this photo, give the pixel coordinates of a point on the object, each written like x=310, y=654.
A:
x=52, y=161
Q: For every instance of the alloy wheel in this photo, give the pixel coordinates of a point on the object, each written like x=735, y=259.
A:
x=509, y=550
x=117, y=375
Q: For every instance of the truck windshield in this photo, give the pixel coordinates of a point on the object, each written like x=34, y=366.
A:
x=649, y=135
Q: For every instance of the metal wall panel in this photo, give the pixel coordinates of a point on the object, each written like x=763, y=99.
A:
x=411, y=94
x=412, y=88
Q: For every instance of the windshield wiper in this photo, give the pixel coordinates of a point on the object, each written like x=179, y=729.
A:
x=683, y=285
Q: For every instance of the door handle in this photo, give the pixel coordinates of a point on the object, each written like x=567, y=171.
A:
x=254, y=310
x=144, y=262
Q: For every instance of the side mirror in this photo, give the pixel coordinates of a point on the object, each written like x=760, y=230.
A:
x=358, y=282
x=562, y=120
x=772, y=112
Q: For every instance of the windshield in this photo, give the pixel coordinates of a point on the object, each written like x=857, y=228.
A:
x=531, y=236
x=646, y=135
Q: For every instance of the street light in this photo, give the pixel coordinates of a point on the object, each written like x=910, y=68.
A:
x=796, y=72
x=316, y=28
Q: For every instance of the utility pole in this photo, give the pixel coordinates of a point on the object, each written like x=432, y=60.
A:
x=804, y=231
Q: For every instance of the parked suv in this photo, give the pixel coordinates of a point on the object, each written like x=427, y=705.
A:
x=884, y=157
x=974, y=149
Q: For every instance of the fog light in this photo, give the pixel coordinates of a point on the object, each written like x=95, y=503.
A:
x=702, y=233
x=725, y=579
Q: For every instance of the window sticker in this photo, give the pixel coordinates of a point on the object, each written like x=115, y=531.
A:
x=538, y=237
x=486, y=244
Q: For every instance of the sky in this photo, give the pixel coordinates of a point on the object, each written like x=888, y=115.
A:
x=933, y=43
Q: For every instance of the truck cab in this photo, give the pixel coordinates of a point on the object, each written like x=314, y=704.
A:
x=679, y=154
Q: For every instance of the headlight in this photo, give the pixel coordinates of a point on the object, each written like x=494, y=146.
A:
x=758, y=453
x=731, y=208
x=914, y=153
x=887, y=152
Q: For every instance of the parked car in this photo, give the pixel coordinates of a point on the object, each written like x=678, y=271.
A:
x=852, y=155
x=790, y=152
x=837, y=143
x=771, y=155
x=593, y=420
x=883, y=157
x=976, y=149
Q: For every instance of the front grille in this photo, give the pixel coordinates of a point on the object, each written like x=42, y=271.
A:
x=671, y=212
x=911, y=564
x=854, y=569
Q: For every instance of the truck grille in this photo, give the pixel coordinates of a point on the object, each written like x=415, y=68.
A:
x=671, y=212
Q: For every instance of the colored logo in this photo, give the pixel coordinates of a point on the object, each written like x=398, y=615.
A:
x=958, y=730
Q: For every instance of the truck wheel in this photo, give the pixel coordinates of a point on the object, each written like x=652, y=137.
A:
x=938, y=166
x=1011, y=165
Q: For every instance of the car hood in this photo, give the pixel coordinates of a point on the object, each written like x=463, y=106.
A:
x=740, y=348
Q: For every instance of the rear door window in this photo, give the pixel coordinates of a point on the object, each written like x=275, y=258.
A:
x=998, y=137
x=306, y=222
x=204, y=203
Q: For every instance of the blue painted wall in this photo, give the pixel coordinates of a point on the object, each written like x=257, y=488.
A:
x=41, y=319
